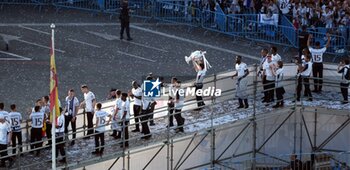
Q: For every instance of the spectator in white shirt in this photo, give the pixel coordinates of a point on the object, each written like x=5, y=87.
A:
x=241, y=84
x=136, y=94
x=114, y=116
x=305, y=70
x=270, y=79
x=60, y=126
x=100, y=128
x=343, y=69
x=124, y=117
x=279, y=73
x=16, y=120
x=5, y=140
x=38, y=118
x=275, y=56
x=201, y=72
x=71, y=111
x=89, y=105
x=179, y=104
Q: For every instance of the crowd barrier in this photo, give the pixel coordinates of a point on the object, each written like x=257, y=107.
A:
x=170, y=12
x=242, y=25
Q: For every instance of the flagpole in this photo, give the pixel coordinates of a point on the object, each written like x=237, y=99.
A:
x=53, y=138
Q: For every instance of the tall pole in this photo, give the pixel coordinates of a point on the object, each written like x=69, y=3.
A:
x=255, y=81
x=54, y=112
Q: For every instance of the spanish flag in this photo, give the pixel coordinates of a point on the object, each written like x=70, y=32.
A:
x=54, y=103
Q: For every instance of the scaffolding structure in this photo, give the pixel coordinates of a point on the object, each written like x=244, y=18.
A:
x=222, y=137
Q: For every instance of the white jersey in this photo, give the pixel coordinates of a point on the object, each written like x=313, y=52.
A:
x=102, y=120
x=200, y=76
x=118, y=106
x=317, y=54
x=4, y=130
x=71, y=104
x=138, y=93
x=180, y=100
x=241, y=69
x=268, y=71
x=60, y=123
x=125, y=106
x=284, y=6
x=6, y=116
x=279, y=77
x=37, y=119
x=16, y=119
x=308, y=69
x=276, y=58
x=89, y=97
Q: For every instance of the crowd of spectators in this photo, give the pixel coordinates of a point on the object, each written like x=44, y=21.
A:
x=313, y=13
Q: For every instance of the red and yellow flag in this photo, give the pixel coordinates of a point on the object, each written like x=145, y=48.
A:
x=54, y=103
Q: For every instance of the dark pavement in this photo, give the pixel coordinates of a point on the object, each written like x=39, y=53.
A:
x=90, y=52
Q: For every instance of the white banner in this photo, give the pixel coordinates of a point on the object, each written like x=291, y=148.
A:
x=268, y=19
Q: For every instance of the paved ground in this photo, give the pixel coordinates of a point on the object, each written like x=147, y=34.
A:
x=89, y=52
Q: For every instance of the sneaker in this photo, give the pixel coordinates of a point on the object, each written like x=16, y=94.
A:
x=125, y=145
x=345, y=102
x=179, y=130
x=136, y=130
x=276, y=106
x=95, y=152
x=62, y=161
x=246, y=107
x=309, y=99
x=129, y=39
x=315, y=91
x=146, y=137
x=198, y=109
x=72, y=143
x=240, y=107
x=298, y=100
x=152, y=124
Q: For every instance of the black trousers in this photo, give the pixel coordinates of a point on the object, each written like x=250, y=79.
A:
x=144, y=122
x=179, y=119
x=137, y=110
x=99, y=141
x=125, y=132
x=270, y=88
x=124, y=25
x=60, y=146
x=3, y=152
x=305, y=81
x=279, y=94
x=199, y=99
x=171, y=114
x=48, y=132
x=317, y=72
x=18, y=136
x=68, y=119
x=344, y=90
x=35, y=137
x=90, y=124
x=266, y=93
x=151, y=115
